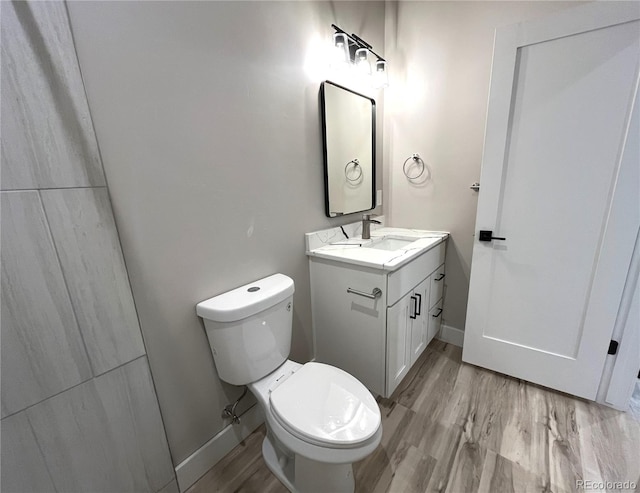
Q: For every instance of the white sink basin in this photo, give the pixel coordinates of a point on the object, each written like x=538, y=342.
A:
x=390, y=243
x=388, y=248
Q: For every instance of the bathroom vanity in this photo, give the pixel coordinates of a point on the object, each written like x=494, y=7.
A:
x=376, y=303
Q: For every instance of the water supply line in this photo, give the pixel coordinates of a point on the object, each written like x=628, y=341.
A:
x=230, y=410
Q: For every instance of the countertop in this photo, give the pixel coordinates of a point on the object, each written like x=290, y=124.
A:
x=360, y=252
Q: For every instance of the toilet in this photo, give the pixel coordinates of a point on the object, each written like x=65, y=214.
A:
x=319, y=418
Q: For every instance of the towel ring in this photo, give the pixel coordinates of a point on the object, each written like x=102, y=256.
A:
x=416, y=159
x=356, y=165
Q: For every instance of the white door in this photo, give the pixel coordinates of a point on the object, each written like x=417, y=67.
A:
x=560, y=182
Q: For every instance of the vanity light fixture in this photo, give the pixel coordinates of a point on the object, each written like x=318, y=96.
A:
x=340, y=58
x=362, y=61
x=352, y=49
x=381, y=76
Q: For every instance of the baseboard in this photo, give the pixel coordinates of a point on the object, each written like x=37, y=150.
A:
x=451, y=335
x=197, y=464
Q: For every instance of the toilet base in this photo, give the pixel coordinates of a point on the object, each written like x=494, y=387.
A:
x=301, y=475
x=282, y=468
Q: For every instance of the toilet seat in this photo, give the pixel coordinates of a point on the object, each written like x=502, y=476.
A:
x=325, y=406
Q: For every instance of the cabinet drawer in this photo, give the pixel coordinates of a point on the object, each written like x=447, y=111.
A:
x=408, y=276
x=437, y=286
x=435, y=321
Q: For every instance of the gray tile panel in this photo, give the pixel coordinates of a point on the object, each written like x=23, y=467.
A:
x=105, y=435
x=42, y=348
x=46, y=130
x=86, y=238
x=23, y=468
x=171, y=487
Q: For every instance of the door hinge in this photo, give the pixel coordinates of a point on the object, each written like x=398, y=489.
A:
x=613, y=347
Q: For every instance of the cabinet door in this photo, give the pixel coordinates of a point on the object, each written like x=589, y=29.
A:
x=349, y=329
x=398, y=341
x=418, y=314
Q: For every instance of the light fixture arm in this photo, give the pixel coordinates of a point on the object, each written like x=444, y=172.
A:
x=358, y=42
x=361, y=41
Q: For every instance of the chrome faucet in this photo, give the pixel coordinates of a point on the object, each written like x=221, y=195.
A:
x=366, y=226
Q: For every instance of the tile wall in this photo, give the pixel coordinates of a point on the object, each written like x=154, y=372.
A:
x=79, y=409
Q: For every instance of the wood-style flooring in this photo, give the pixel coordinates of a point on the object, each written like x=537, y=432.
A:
x=453, y=427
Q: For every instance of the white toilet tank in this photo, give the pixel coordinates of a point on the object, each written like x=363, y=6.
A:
x=249, y=328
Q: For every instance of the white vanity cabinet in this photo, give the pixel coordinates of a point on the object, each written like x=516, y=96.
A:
x=376, y=337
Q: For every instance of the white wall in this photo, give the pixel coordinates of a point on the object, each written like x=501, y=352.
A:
x=207, y=118
x=440, y=54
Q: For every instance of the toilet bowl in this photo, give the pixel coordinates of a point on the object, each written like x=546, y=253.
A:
x=319, y=418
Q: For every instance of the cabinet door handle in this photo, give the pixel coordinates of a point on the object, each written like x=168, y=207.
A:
x=436, y=315
x=415, y=307
x=439, y=278
x=419, y=304
x=376, y=293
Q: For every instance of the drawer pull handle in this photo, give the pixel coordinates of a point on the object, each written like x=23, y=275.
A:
x=439, y=278
x=436, y=315
x=418, y=304
x=376, y=293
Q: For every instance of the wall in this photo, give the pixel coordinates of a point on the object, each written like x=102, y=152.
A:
x=79, y=410
x=436, y=106
x=209, y=126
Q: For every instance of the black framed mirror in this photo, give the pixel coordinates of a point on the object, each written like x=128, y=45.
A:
x=349, y=145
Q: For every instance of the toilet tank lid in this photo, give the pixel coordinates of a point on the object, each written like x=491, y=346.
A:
x=247, y=300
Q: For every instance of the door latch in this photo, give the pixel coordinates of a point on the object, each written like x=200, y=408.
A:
x=487, y=235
